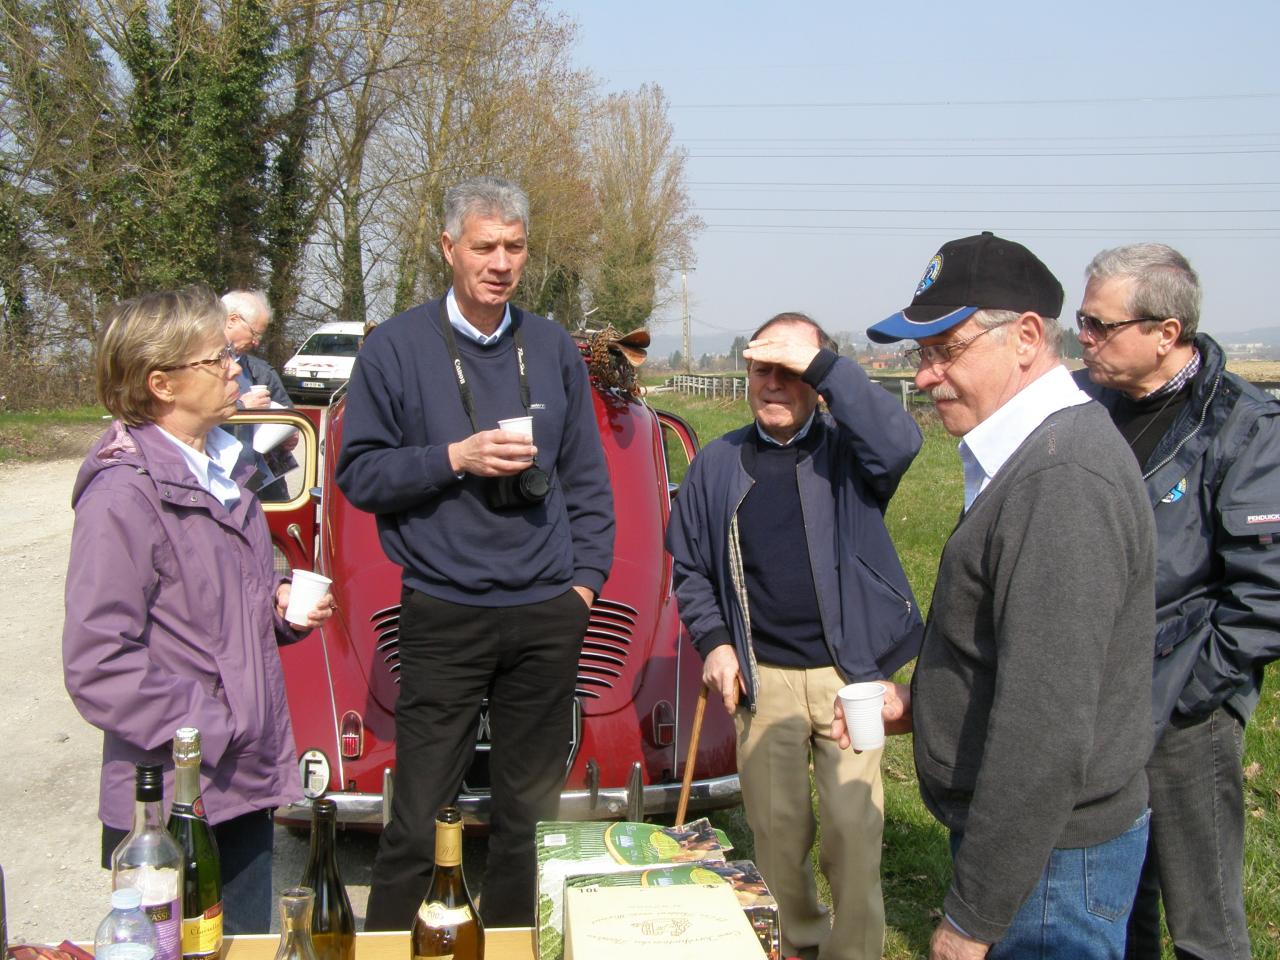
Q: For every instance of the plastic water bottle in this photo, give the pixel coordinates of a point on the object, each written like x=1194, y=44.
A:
x=127, y=933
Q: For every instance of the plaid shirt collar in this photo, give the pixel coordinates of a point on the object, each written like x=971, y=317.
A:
x=1178, y=380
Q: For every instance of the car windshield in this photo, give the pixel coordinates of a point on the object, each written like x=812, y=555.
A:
x=331, y=345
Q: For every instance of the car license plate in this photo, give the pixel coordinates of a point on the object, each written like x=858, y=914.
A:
x=311, y=383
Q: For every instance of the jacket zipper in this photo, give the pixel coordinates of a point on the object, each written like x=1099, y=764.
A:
x=1204, y=413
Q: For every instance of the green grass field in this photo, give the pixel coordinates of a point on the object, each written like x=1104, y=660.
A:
x=916, y=863
x=47, y=435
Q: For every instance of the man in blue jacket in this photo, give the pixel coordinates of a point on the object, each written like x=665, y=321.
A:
x=790, y=587
x=505, y=543
x=1208, y=444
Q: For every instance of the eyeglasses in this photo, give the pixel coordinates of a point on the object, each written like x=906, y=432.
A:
x=943, y=353
x=256, y=334
x=225, y=356
x=1096, y=329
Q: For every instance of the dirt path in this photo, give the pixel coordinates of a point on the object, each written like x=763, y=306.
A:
x=49, y=756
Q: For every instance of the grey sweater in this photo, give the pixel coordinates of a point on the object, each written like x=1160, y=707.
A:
x=1032, y=694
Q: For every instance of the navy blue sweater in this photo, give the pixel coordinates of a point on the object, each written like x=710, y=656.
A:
x=403, y=411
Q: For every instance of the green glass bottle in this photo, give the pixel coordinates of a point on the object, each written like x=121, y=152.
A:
x=333, y=923
x=202, y=873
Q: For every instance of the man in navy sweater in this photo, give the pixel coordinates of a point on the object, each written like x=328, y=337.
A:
x=505, y=543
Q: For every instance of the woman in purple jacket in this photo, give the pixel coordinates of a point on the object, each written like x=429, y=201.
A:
x=173, y=609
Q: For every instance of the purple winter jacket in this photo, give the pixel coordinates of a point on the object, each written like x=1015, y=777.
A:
x=170, y=622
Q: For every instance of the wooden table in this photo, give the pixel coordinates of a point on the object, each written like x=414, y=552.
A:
x=509, y=943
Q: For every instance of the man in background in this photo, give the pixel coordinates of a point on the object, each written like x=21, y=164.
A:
x=248, y=316
x=790, y=587
x=1208, y=445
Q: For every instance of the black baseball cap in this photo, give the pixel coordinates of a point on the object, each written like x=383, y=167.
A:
x=984, y=272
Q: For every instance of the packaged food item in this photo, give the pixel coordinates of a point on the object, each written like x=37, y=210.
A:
x=691, y=922
x=741, y=876
x=565, y=849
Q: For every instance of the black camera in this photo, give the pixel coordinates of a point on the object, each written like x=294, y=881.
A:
x=519, y=490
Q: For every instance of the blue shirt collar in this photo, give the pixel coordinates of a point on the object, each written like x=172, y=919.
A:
x=465, y=327
x=799, y=434
x=212, y=469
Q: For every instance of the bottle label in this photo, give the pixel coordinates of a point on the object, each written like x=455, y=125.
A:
x=202, y=935
x=168, y=920
x=436, y=914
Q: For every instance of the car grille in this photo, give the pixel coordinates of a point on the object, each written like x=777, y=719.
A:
x=604, y=649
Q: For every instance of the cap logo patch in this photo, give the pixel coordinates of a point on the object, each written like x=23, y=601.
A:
x=931, y=273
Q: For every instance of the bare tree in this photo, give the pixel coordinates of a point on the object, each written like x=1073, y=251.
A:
x=646, y=221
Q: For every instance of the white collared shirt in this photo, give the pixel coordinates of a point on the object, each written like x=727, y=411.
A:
x=465, y=327
x=213, y=468
x=986, y=448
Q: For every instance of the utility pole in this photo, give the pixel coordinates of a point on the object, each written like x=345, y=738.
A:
x=684, y=286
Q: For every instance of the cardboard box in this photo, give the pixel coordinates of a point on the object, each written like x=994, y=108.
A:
x=741, y=876
x=566, y=849
x=643, y=923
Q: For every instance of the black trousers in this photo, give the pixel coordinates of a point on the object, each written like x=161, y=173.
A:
x=525, y=660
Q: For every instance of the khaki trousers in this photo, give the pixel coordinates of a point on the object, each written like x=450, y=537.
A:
x=792, y=722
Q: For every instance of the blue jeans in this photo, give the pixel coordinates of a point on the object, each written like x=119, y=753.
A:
x=1080, y=906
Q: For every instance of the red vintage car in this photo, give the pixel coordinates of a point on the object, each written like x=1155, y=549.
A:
x=638, y=675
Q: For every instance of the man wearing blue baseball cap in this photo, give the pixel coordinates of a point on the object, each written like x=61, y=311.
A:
x=1031, y=698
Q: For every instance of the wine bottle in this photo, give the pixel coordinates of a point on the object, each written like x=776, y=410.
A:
x=149, y=861
x=333, y=924
x=447, y=924
x=202, y=872
x=295, y=925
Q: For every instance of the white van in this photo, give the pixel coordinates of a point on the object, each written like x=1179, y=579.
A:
x=324, y=362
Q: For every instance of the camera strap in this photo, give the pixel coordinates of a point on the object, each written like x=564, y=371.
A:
x=464, y=388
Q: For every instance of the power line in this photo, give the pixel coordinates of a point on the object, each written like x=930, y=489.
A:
x=850, y=104
x=964, y=211
x=932, y=183
x=1085, y=137
x=937, y=155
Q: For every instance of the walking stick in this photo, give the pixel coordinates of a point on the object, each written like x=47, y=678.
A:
x=691, y=755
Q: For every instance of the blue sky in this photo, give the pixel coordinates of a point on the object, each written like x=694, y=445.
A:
x=834, y=146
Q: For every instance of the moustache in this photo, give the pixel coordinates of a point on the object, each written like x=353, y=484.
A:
x=943, y=391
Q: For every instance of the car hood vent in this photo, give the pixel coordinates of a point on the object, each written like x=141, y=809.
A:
x=605, y=648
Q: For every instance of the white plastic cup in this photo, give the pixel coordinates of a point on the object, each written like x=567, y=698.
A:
x=258, y=388
x=520, y=425
x=863, y=703
x=306, y=592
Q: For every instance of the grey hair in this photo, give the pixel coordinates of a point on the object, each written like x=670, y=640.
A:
x=991, y=319
x=484, y=197
x=825, y=340
x=1164, y=285
x=247, y=303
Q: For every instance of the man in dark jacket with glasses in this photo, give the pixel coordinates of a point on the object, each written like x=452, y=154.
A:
x=1208, y=445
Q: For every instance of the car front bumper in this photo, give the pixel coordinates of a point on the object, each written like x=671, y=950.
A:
x=370, y=810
